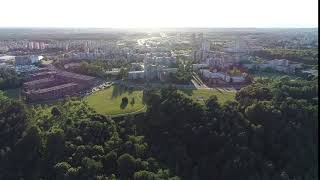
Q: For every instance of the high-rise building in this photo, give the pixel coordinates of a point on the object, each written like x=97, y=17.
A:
x=42, y=45
x=36, y=45
x=30, y=45
x=200, y=47
x=200, y=37
x=205, y=45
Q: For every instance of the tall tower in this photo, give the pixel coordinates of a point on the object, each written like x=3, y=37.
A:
x=200, y=37
x=194, y=47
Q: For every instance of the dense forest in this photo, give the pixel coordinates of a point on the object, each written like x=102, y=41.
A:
x=307, y=56
x=269, y=132
x=97, y=68
x=9, y=78
x=71, y=142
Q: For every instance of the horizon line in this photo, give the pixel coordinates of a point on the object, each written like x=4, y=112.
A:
x=75, y=27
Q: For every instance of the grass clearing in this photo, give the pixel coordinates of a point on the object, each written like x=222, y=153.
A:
x=46, y=62
x=201, y=95
x=109, y=101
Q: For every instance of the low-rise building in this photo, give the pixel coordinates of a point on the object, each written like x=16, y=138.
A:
x=71, y=65
x=40, y=75
x=133, y=75
x=166, y=72
x=199, y=66
x=221, y=78
x=54, y=92
x=7, y=58
x=39, y=84
x=151, y=72
x=113, y=72
x=27, y=60
x=313, y=72
x=281, y=65
x=55, y=84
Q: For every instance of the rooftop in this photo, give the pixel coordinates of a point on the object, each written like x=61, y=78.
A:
x=43, y=73
x=53, y=88
x=135, y=72
x=76, y=76
x=38, y=81
x=6, y=58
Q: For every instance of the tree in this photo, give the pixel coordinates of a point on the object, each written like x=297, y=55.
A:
x=144, y=175
x=123, y=73
x=61, y=169
x=14, y=118
x=55, y=144
x=126, y=166
x=132, y=101
x=184, y=73
x=125, y=100
x=110, y=162
x=213, y=107
x=9, y=78
x=55, y=111
x=27, y=152
x=91, y=166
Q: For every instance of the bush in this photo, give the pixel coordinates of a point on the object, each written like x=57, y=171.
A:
x=125, y=100
x=132, y=101
x=55, y=111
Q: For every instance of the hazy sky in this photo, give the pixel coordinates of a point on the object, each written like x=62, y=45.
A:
x=158, y=13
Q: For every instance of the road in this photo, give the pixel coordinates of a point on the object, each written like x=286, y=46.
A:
x=197, y=82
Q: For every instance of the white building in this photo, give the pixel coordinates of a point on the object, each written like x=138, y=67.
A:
x=27, y=60
x=222, y=78
x=133, y=75
x=7, y=58
x=113, y=72
x=151, y=72
x=199, y=66
x=205, y=46
x=281, y=65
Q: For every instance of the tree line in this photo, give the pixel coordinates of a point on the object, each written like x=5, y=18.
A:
x=306, y=56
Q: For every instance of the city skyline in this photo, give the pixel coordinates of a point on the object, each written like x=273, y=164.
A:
x=160, y=14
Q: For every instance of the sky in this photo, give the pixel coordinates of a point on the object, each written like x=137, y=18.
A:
x=159, y=13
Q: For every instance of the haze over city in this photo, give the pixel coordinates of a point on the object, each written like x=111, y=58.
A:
x=159, y=13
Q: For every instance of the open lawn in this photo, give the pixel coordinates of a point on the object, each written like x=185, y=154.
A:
x=200, y=95
x=46, y=62
x=109, y=101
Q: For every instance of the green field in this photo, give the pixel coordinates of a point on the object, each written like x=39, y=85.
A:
x=46, y=62
x=108, y=101
x=200, y=95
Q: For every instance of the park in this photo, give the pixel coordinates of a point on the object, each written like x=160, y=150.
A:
x=109, y=101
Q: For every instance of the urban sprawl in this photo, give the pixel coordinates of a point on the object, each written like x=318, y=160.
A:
x=50, y=67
